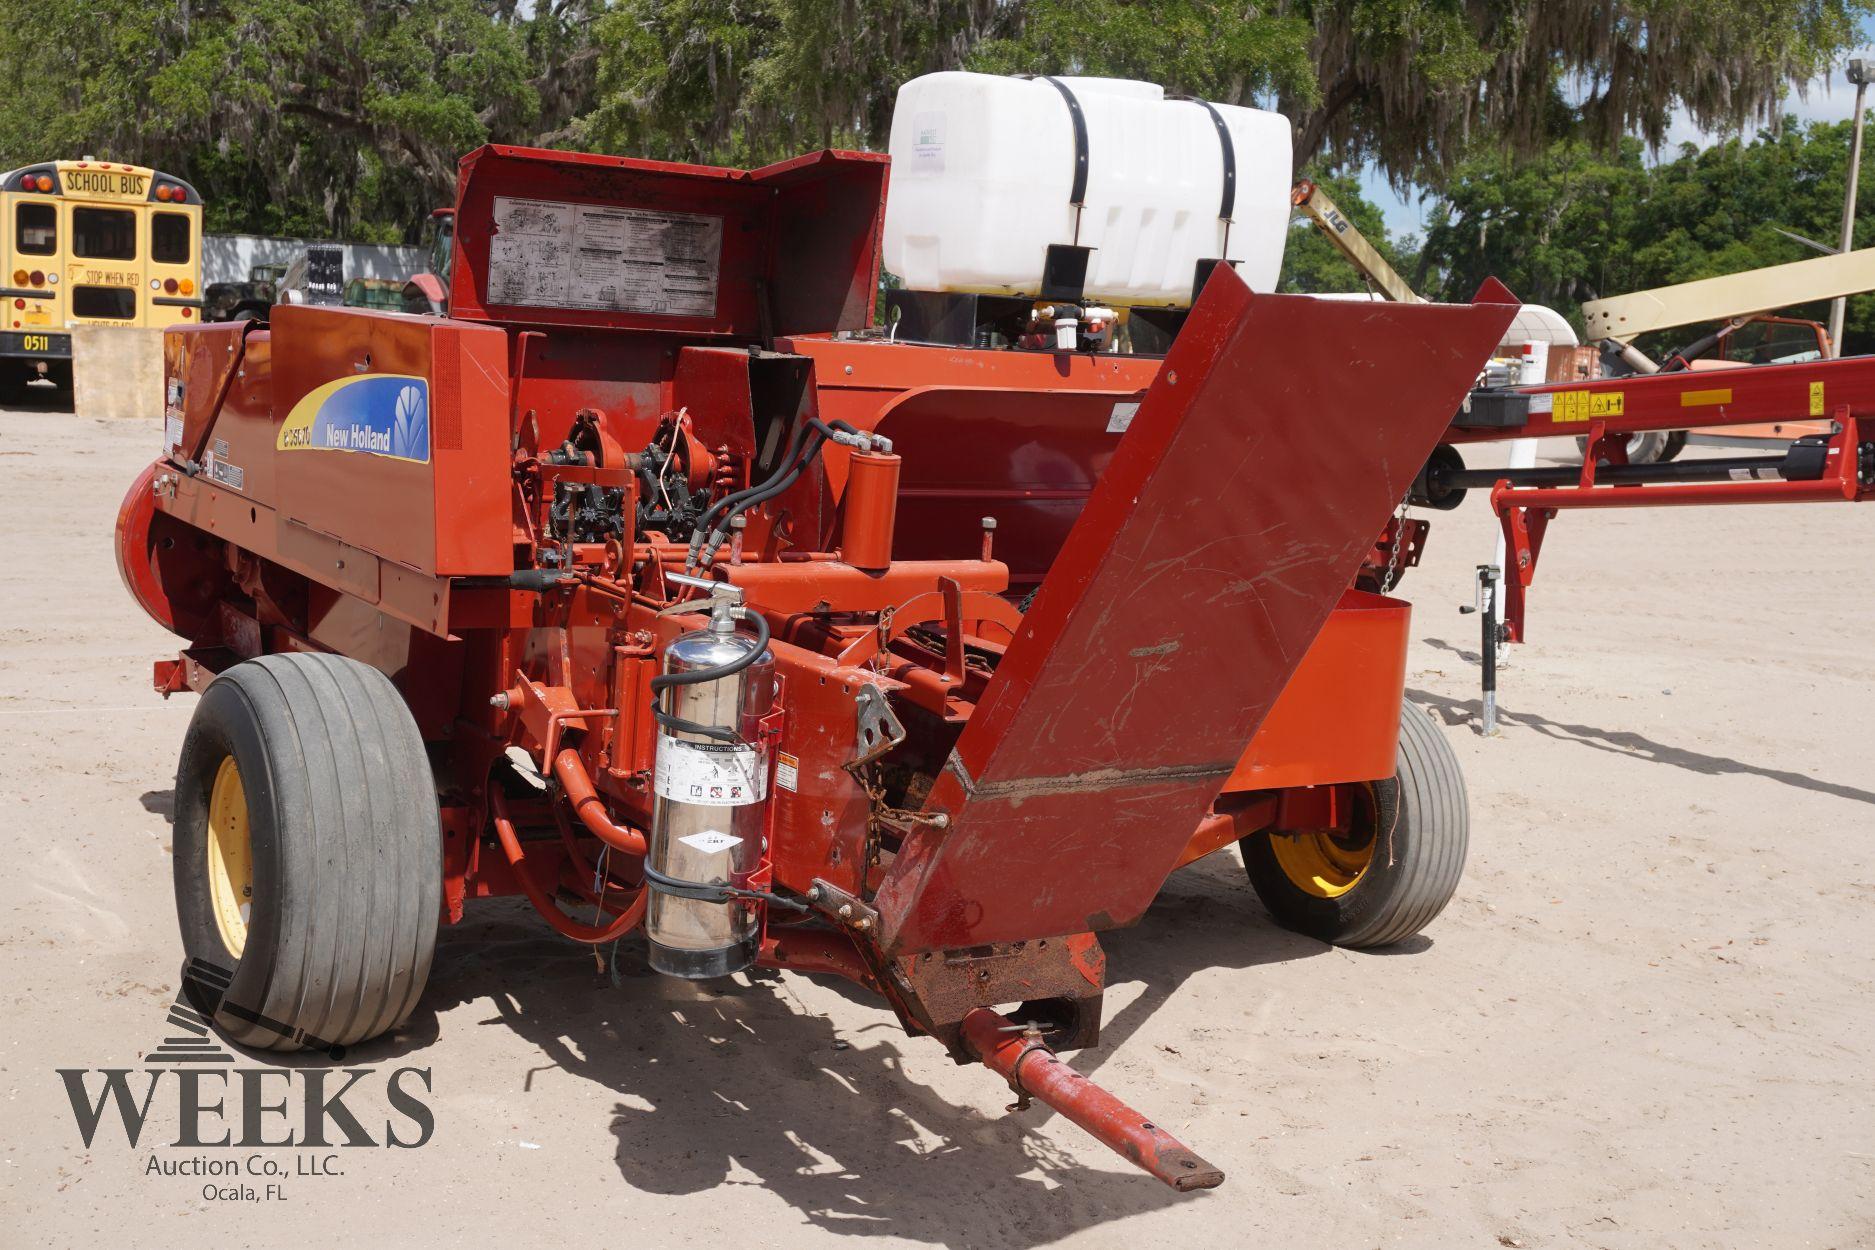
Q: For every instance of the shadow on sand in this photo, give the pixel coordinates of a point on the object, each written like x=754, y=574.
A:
x=738, y=1083
x=36, y=397
x=1633, y=745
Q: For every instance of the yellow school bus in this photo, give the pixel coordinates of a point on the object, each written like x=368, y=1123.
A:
x=91, y=243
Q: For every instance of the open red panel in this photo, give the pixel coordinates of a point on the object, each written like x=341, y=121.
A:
x=1280, y=433
x=572, y=239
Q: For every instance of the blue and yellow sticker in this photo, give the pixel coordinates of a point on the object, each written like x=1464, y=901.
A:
x=379, y=414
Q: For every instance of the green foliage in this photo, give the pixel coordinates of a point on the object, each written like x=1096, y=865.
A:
x=1411, y=85
x=1208, y=48
x=1574, y=225
x=346, y=117
x=324, y=117
x=747, y=81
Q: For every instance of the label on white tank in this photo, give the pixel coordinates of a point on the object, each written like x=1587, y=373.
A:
x=552, y=254
x=710, y=774
x=927, y=141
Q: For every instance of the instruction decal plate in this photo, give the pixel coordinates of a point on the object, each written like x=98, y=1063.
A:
x=553, y=254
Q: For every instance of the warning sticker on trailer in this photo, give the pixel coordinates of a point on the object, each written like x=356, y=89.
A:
x=787, y=772
x=710, y=774
x=550, y=254
x=1121, y=419
x=1587, y=405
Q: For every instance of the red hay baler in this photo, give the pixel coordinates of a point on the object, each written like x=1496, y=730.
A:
x=704, y=611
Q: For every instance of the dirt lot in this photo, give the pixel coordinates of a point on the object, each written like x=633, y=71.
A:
x=1645, y=1021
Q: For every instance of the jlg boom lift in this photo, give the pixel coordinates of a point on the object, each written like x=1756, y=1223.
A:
x=654, y=586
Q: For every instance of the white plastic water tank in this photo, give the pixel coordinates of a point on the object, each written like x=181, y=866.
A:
x=984, y=167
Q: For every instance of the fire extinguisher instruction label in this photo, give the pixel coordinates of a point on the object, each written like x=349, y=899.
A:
x=710, y=774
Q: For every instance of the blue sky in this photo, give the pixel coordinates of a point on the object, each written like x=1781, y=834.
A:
x=1829, y=99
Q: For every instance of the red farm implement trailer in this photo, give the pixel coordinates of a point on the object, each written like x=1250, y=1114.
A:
x=696, y=608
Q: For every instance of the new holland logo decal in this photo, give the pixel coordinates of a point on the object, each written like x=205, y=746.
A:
x=379, y=414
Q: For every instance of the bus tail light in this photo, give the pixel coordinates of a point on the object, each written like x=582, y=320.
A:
x=19, y=277
x=43, y=182
x=187, y=313
x=188, y=286
x=162, y=191
x=169, y=286
x=37, y=278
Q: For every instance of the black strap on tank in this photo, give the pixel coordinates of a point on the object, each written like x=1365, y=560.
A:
x=717, y=892
x=1078, y=195
x=1229, y=204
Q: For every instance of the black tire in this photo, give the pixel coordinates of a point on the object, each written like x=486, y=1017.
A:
x=1647, y=446
x=1419, y=830
x=343, y=836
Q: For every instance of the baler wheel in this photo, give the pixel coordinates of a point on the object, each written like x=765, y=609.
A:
x=1392, y=870
x=308, y=853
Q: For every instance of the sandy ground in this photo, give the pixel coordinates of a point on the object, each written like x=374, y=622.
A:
x=1645, y=1021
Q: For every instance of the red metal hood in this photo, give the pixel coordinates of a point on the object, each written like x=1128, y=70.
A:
x=1278, y=437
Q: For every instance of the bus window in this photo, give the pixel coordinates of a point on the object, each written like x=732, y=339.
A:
x=113, y=303
x=169, y=239
x=104, y=234
x=37, y=229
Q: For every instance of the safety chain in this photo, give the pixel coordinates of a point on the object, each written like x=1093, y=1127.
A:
x=1390, y=575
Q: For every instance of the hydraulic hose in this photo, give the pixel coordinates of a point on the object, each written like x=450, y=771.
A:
x=629, y=919
x=713, y=526
x=570, y=772
x=664, y=681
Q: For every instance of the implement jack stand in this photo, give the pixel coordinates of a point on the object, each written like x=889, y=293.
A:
x=1491, y=635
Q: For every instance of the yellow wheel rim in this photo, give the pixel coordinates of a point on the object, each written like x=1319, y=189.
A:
x=1327, y=863
x=230, y=857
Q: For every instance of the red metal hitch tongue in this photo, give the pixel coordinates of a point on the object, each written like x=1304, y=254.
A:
x=1034, y=1071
